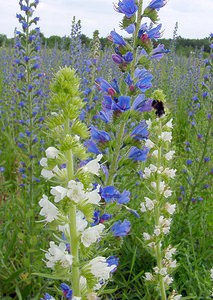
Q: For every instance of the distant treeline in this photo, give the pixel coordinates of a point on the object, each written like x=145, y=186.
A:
x=181, y=45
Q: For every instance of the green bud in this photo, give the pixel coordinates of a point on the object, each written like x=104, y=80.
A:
x=152, y=14
x=159, y=95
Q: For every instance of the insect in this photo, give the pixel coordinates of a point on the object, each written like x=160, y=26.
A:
x=159, y=108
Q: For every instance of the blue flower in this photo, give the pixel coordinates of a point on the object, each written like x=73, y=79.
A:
x=144, y=82
x=159, y=52
x=117, y=39
x=112, y=260
x=142, y=104
x=92, y=147
x=130, y=29
x=47, y=297
x=124, y=197
x=140, y=132
x=121, y=228
x=104, y=86
x=157, y=4
x=99, y=135
x=122, y=104
x=138, y=154
x=154, y=33
x=66, y=291
x=127, y=7
x=97, y=218
x=109, y=193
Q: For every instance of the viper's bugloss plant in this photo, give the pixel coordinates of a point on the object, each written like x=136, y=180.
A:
x=157, y=206
x=75, y=196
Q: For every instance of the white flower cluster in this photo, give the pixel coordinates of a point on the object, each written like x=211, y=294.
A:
x=52, y=153
x=167, y=265
x=158, y=174
x=58, y=254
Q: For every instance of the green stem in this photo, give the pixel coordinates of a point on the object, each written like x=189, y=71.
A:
x=114, y=164
x=74, y=239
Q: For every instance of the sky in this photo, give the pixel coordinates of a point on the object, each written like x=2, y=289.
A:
x=194, y=17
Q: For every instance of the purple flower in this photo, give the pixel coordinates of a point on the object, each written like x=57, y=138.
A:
x=127, y=7
x=138, y=154
x=120, y=228
x=140, y=132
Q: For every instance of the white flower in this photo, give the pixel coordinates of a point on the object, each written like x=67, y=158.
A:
x=92, y=295
x=166, y=136
x=59, y=192
x=146, y=236
x=167, y=279
x=100, y=268
x=173, y=264
x=58, y=254
x=146, y=173
x=43, y=162
x=52, y=152
x=157, y=231
x=93, y=197
x=64, y=228
x=76, y=298
x=167, y=193
x=163, y=271
x=49, y=210
x=156, y=270
x=153, y=168
x=170, y=208
x=143, y=207
x=155, y=153
x=169, y=172
x=81, y=222
x=48, y=174
x=149, y=123
x=76, y=191
x=149, y=144
x=162, y=187
x=93, y=166
x=151, y=245
x=169, y=155
x=149, y=203
x=169, y=124
x=148, y=276
x=169, y=252
x=91, y=234
x=211, y=273
x=177, y=297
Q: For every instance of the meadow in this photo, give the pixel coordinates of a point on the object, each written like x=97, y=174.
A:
x=105, y=164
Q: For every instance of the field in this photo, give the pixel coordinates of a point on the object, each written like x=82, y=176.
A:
x=105, y=165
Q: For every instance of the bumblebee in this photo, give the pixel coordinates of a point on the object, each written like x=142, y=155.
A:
x=159, y=108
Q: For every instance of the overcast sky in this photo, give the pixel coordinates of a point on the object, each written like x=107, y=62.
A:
x=194, y=17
